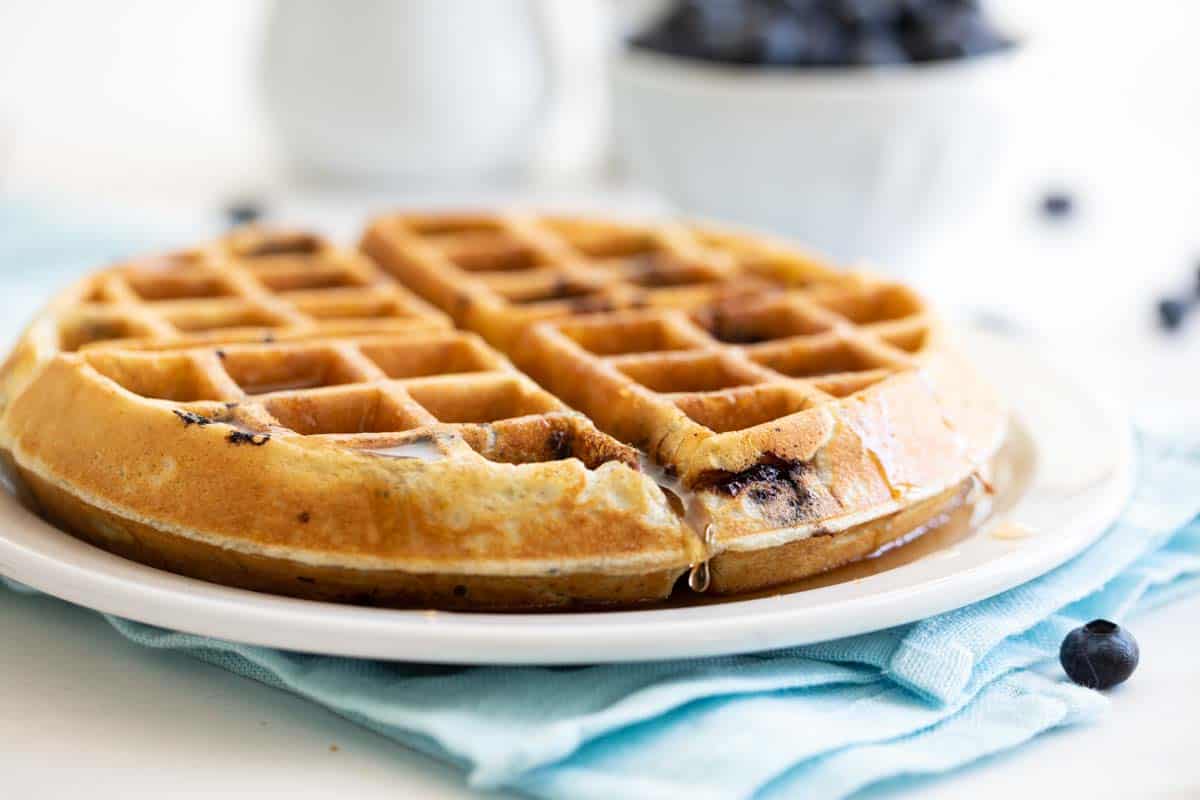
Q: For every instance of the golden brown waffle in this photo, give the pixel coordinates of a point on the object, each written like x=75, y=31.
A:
x=785, y=399
x=248, y=287
x=495, y=274
x=269, y=411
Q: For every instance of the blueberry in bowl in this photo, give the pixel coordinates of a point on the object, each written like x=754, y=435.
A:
x=823, y=33
x=1099, y=655
x=849, y=124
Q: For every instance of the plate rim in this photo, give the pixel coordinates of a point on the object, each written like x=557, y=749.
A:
x=104, y=582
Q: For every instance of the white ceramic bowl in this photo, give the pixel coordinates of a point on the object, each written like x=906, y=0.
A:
x=855, y=161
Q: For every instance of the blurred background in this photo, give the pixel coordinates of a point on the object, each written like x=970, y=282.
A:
x=1035, y=172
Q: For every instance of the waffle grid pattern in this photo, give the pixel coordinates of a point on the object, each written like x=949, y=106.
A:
x=496, y=274
x=663, y=328
x=283, y=335
x=369, y=393
x=727, y=387
x=248, y=287
x=732, y=333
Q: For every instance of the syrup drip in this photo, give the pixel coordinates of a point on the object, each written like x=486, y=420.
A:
x=421, y=449
x=692, y=513
x=699, y=575
x=1009, y=530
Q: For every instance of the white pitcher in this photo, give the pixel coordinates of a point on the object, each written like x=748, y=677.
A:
x=380, y=90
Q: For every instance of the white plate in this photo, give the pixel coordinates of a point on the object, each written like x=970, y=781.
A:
x=1082, y=472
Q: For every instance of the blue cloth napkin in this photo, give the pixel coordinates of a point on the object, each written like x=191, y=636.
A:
x=822, y=721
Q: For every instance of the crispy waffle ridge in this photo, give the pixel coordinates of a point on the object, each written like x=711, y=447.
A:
x=271, y=412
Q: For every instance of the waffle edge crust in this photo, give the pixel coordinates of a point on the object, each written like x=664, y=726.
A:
x=273, y=413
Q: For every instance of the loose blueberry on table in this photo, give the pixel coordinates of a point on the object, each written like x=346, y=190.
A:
x=1099, y=655
x=1057, y=204
x=1171, y=312
x=243, y=212
x=823, y=32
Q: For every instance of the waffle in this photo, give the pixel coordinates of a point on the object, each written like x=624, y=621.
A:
x=497, y=274
x=785, y=401
x=271, y=412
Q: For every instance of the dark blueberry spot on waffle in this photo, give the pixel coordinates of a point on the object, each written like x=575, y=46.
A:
x=764, y=492
x=221, y=354
x=590, y=304
x=770, y=469
x=190, y=418
x=560, y=444
x=565, y=288
x=248, y=437
x=775, y=484
x=304, y=517
x=268, y=338
x=728, y=329
x=764, y=476
x=460, y=591
x=305, y=579
x=560, y=289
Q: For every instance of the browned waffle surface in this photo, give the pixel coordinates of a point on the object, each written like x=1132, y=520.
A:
x=814, y=421
x=274, y=412
x=251, y=286
x=782, y=394
x=497, y=273
x=416, y=454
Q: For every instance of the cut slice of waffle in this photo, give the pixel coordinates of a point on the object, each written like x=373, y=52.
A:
x=786, y=400
x=272, y=412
